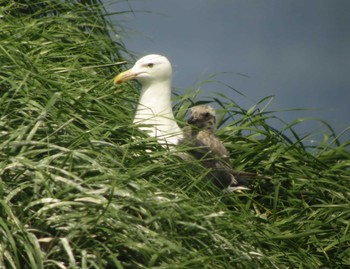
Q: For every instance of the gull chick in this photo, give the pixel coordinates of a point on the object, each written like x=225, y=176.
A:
x=201, y=133
x=203, y=126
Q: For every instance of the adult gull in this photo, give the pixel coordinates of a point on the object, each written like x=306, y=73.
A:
x=154, y=113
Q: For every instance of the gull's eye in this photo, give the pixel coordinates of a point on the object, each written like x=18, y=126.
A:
x=207, y=115
x=150, y=65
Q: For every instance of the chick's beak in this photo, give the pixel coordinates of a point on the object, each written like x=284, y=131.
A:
x=191, y=120
x=124, y=76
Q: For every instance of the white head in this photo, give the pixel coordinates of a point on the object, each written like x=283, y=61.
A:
x=154, y=109
x=150, y=69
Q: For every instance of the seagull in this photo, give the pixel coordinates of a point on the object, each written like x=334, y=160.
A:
x=154, y=113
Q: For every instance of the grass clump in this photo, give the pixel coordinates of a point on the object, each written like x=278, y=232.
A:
x=82, y=188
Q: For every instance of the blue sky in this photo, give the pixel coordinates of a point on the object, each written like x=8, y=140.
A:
x=295, y=50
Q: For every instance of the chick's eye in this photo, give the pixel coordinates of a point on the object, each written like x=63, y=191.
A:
x=207, y=115
x=150, y=65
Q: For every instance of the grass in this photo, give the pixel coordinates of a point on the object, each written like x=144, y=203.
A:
x=83, y=188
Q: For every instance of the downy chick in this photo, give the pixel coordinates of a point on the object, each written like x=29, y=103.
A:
x=211, y=151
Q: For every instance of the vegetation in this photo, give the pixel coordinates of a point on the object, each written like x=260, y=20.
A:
x=80, y=187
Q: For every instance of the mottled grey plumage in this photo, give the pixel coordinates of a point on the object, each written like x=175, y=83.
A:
x=207, y=147
x=203, y=126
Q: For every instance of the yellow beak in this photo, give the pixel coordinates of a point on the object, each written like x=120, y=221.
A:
x=124, y=76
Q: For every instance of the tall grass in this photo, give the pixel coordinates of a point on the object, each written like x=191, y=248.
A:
x=82, y=188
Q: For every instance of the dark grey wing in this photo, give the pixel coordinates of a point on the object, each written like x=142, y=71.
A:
x=220, y=173
x=195, y=147
x=211, y=153
x=214, y=143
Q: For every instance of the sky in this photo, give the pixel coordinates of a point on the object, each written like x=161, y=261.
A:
x=297, y=51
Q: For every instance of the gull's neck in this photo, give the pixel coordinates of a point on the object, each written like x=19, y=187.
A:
x=155, y=111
